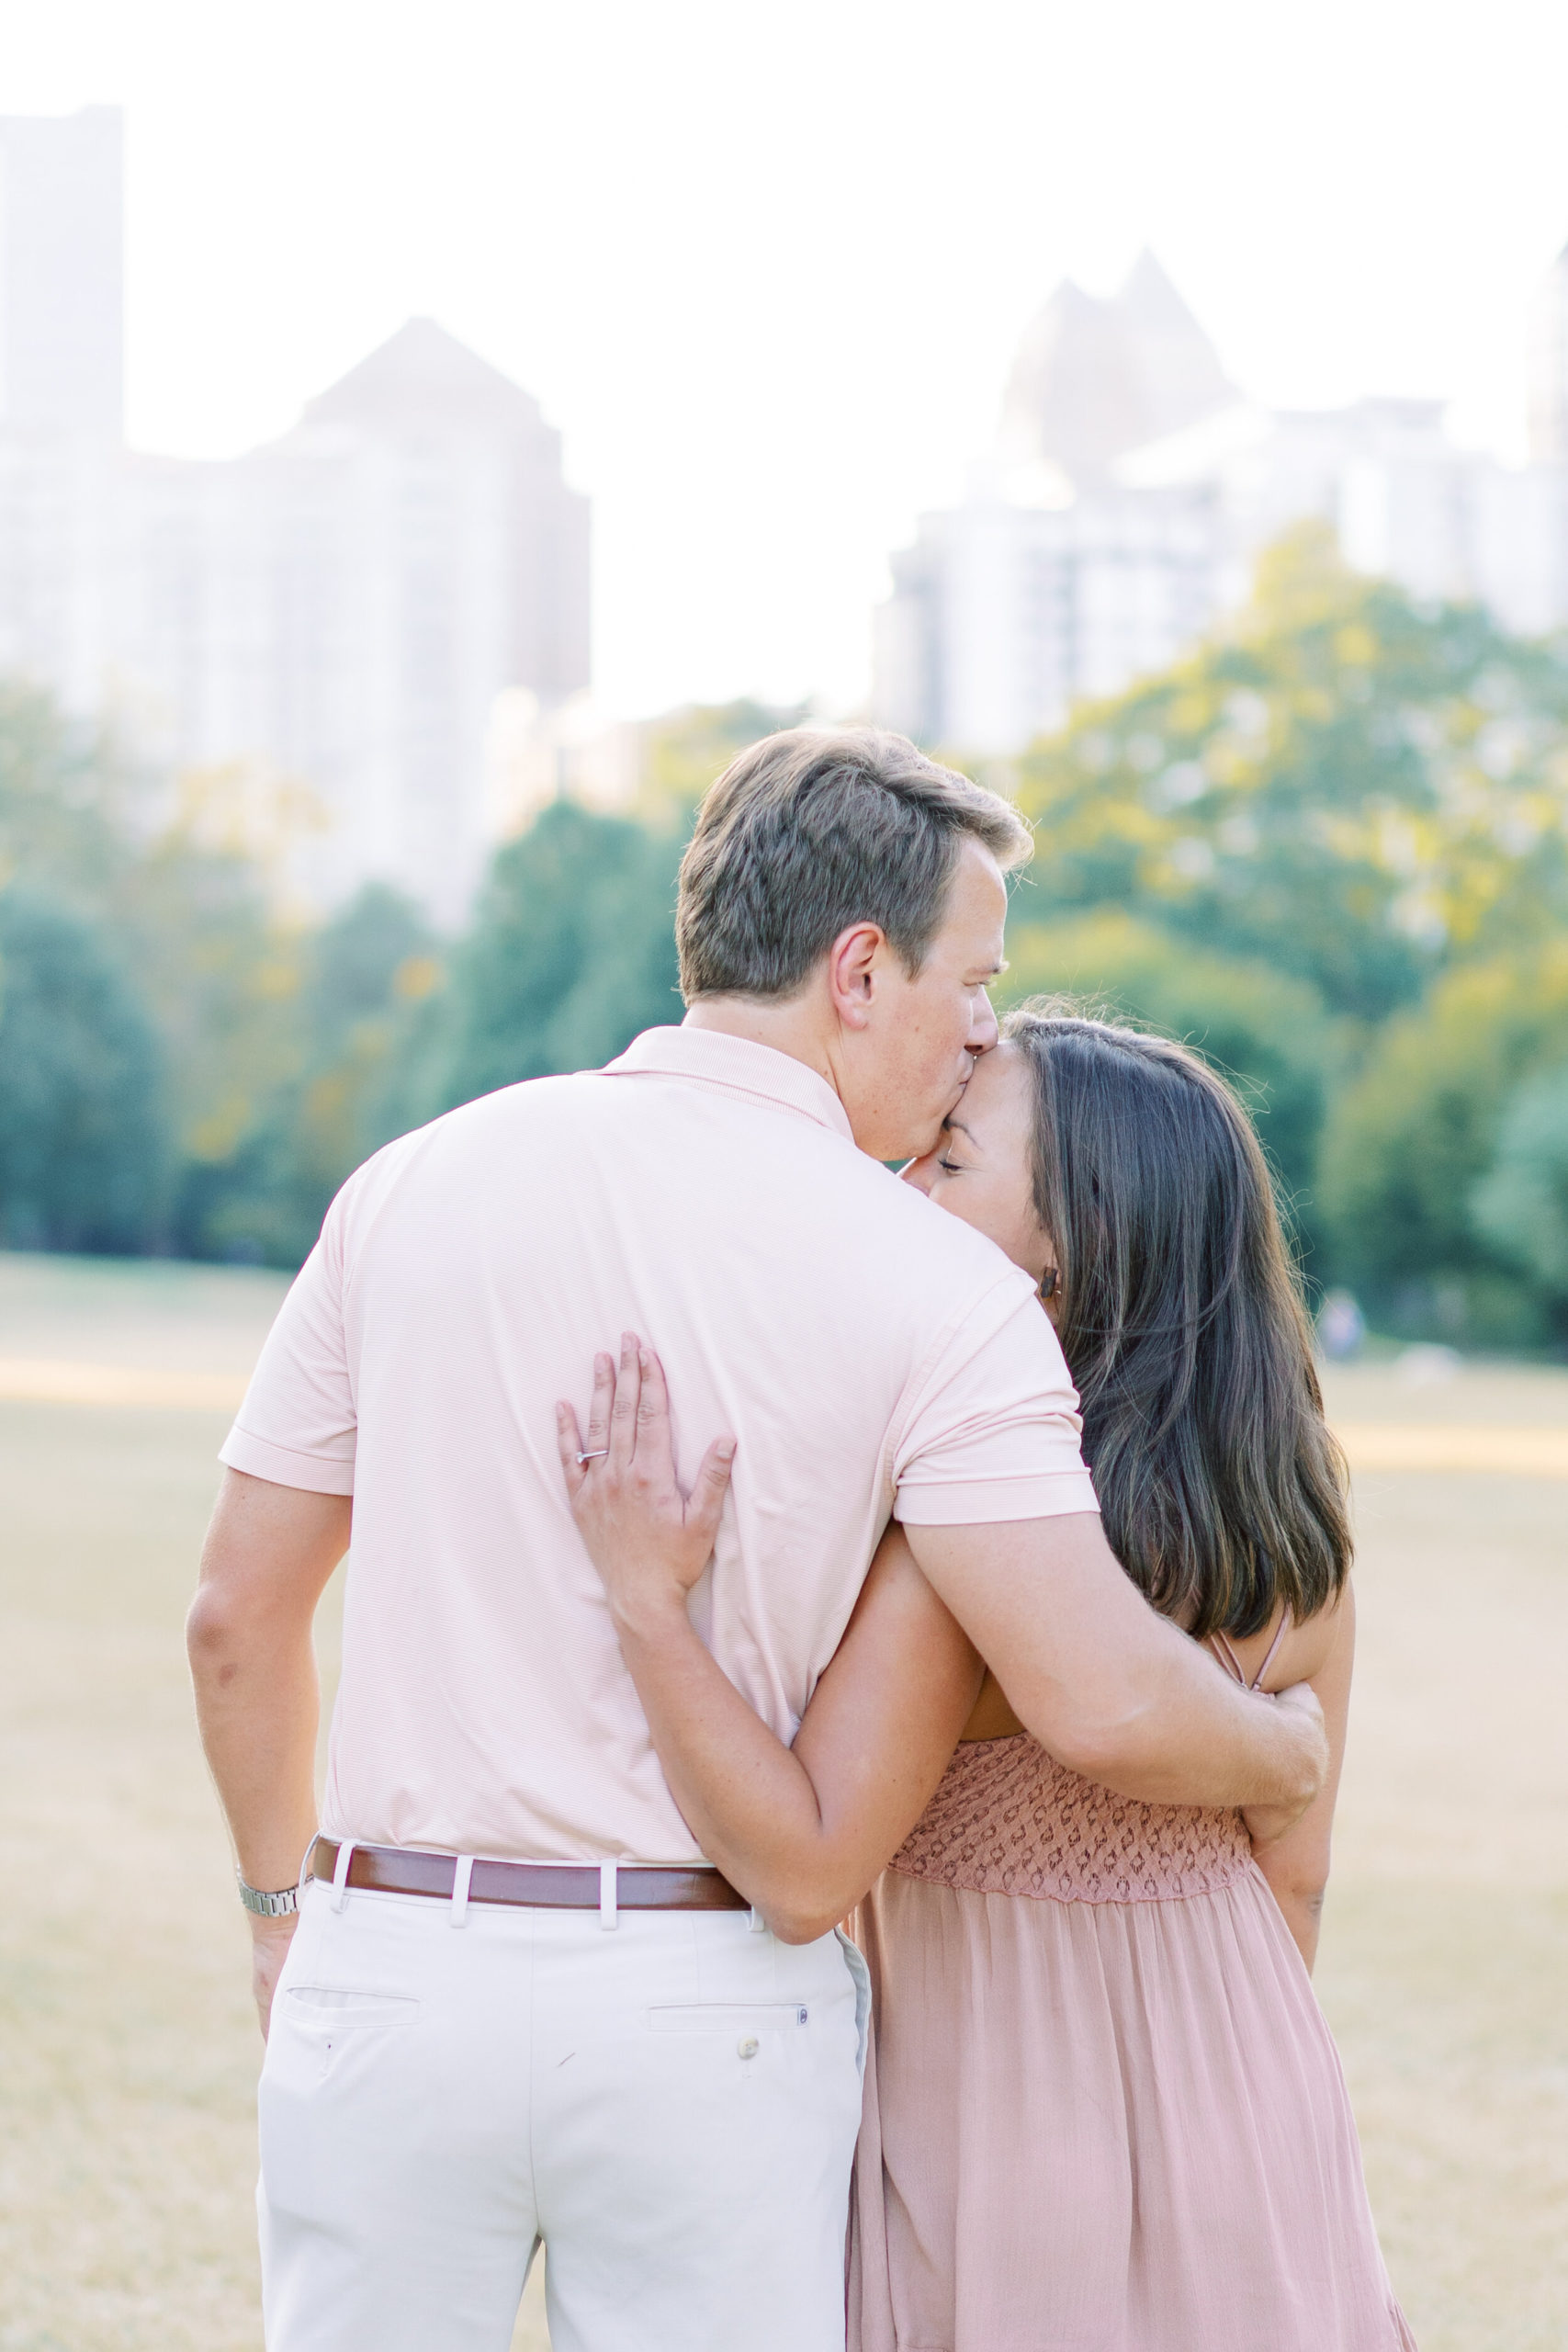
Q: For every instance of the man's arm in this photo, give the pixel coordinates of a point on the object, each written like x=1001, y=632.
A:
x=1108, y=1687
x=268, y=1553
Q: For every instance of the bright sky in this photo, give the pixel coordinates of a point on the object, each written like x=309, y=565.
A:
x=765, y=261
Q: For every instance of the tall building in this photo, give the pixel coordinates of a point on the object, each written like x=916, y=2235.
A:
x=349, y=602
x=1132, y=487
x=1056, y=578
x=1015, y=605
x=62, y=273
x=1549, y=366
x=1093, y=379
x=339, y=613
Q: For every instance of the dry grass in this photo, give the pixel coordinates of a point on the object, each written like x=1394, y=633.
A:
x=1445, y=1949
x=128, y=2057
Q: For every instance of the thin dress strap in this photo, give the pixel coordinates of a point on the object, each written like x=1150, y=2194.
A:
x=1268, y=1660
x=1228, y=1657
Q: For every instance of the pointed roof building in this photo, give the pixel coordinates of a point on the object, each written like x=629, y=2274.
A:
x=1074, y=401
x=423, y=376
x=1179, y=369
x=1547, y=380
x=1094, y=379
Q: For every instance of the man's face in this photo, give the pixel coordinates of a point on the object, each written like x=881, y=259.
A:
x=908, y=1066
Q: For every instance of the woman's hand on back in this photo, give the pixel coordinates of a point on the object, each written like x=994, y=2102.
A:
x=648, y=1541
x=801, y=1831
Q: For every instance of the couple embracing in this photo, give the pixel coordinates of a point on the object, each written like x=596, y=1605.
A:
x=835, y=1599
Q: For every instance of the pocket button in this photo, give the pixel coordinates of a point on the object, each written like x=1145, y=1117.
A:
x=748, y=2045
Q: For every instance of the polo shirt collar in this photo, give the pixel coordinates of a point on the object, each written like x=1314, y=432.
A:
x=715, y=1058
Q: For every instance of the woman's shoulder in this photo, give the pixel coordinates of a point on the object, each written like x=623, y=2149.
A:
x=1281, y=1654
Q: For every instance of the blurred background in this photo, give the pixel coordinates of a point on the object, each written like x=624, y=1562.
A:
x=432, y=443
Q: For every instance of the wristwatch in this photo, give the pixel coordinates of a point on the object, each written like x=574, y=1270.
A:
x=267, y=1906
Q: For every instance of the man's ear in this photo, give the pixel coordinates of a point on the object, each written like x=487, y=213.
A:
x=852, y=964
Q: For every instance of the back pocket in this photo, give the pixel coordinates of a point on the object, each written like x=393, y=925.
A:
x=724, y=2017
x=330, y=2008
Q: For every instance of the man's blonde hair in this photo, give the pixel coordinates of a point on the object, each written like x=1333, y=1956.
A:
x=809, y=832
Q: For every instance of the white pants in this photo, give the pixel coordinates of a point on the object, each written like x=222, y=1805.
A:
x=671, y=2106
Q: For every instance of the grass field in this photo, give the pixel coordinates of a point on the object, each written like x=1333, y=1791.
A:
x=128, y=2054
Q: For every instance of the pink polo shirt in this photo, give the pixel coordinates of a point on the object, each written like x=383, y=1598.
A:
x=871, y=1353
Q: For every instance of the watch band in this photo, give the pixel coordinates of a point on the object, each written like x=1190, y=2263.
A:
x=267, y=1906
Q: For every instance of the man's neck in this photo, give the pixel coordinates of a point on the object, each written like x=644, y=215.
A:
x=794, y=1028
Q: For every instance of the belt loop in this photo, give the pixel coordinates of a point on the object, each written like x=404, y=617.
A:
x=340, y=1872
x=756, y=1925
x=304, y=1878
x=607, y=1896
x=462, y=1871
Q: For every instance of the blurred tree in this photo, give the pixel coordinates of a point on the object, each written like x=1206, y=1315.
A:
x=160, y=878
x=1330, y=851
x=70, y=807
x=336, y=1089
x=1271, y=1034
x=1344, y=785
x=686, y=750
x=571, y=952
x=1408, y=1140
x=1521, y=1208
x=223, y=976
x=82, y=1158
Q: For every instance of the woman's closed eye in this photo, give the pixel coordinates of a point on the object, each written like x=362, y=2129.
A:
x=944, y=1160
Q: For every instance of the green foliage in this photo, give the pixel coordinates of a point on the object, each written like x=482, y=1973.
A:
x=572, y=948
x=223, y=977
x=1521, y=1208
x=683, y=753
x=82, y=1137
x=1270, y=1033
x=570, y=953
x=332, y=1093
x=1348, y=786
x=173, y=900
x=1407, y=1142
x=1358, y=795
x=1329, y=850
x=69, y=804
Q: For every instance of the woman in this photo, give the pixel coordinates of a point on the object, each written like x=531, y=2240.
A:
x=1103, y=2111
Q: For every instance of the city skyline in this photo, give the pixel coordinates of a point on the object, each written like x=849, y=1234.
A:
x=311, y=641
x=1132, y=487
x=767, y=273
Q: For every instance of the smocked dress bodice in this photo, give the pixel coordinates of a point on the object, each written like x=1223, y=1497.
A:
x=1109, y=2116
x=1007, y=1819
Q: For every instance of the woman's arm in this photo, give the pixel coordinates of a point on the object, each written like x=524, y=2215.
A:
x=1296, y=1865
x=802, y=1832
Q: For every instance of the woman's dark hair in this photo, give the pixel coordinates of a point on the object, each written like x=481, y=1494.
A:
x=1222, y=1491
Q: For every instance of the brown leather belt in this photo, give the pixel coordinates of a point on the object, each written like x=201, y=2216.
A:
x=545, y=1886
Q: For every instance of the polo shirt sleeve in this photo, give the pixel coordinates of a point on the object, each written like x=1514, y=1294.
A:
x=298, y=1424
x=991, y=1426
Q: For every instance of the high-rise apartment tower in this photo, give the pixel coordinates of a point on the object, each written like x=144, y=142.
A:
x=62, y=273
x=1548, y=368
x=336, y=614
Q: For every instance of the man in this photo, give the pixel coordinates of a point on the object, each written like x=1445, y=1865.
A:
x=517, y=2004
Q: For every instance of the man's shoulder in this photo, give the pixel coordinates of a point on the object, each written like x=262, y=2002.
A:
x=514, y=1107
x=761, y=1163
x=467, y=1131
x=945, y=1264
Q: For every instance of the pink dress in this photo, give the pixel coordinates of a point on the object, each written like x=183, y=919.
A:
x=1104, y=2109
